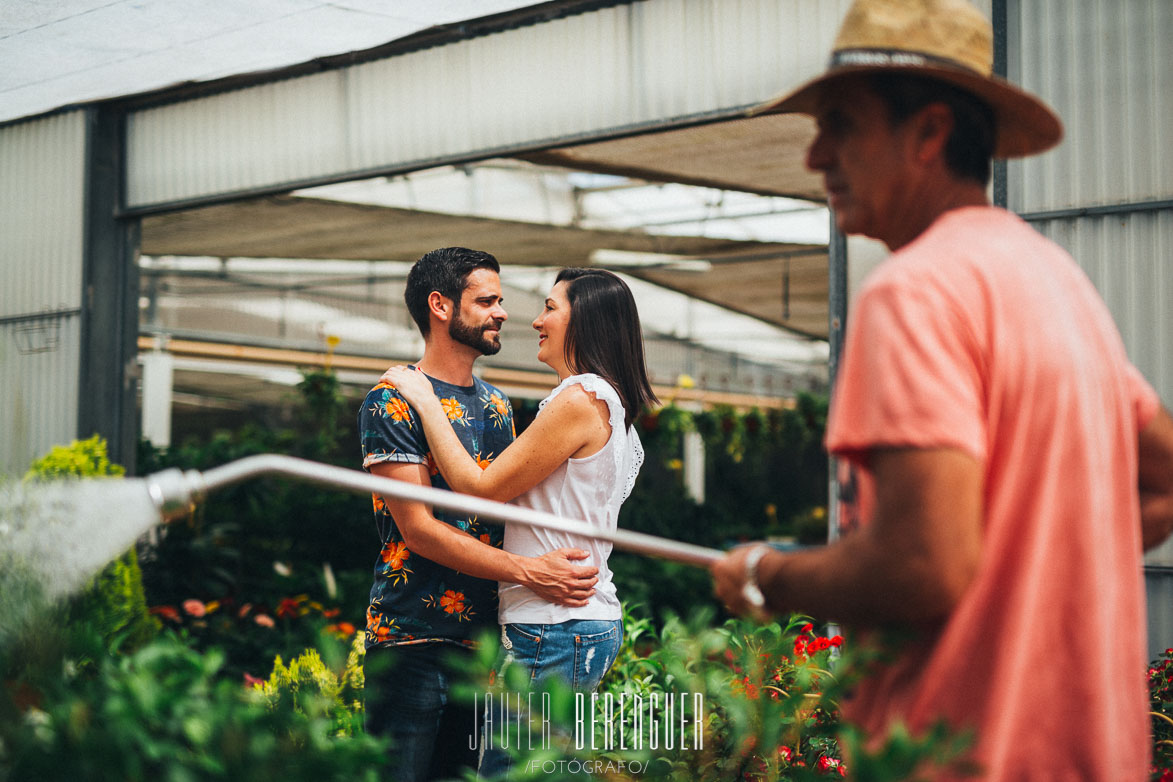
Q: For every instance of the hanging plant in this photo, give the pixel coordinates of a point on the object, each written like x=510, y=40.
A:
x=664, y=429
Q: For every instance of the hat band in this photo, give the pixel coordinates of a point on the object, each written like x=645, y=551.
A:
x=888, y=58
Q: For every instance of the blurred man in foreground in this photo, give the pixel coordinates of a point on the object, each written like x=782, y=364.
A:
x=1003, y=463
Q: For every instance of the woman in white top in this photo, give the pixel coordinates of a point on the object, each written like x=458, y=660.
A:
x=578, y=459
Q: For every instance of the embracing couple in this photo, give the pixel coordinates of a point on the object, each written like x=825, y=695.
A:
x=441, y=578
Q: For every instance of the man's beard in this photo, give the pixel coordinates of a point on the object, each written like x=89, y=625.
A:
x=474, y=336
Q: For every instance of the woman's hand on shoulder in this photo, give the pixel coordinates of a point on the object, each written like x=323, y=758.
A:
x=412, y=384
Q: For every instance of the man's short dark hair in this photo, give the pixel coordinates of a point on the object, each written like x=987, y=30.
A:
x=971, y=144
x=446, y=271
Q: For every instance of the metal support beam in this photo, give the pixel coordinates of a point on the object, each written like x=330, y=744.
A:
x=109, y=327
x=837, y=324
x=1100, y=210
x=1000, y=23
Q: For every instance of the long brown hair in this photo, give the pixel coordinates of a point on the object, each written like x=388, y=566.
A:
x=604, y=335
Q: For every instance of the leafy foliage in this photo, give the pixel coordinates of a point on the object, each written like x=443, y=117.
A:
x=252, y=546
x=768, y=710
x=765, y=475
x=114, y=602
x=1161, y=705
x=79, y=459
x=309, y=676
x=166, y=713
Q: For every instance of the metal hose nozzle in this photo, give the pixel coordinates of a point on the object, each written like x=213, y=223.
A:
x=176, y=492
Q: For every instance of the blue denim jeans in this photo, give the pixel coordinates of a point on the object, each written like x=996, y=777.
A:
x=580, y=652
x=406, y=699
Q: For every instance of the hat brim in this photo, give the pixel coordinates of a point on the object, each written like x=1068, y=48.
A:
x=1024, y=125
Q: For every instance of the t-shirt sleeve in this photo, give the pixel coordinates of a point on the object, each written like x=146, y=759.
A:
x=910, y=376
x=389, y=429
x=1145, y=399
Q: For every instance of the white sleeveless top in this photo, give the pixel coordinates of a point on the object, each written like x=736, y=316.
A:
x=589, y=489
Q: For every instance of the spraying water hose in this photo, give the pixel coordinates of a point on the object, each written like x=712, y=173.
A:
x=177, y=492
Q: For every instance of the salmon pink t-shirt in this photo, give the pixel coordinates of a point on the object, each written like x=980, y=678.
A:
x=984, y=336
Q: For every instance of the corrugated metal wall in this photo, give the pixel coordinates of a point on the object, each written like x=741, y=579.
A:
x=38, y=389
x=1128, y=257
x=1104, y=66
x=42, y=185
x=624, y=67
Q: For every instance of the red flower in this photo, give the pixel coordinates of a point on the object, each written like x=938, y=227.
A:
x=166, y=612
x=195, y=607
x=826, y=765
x=288, y=607
x=341, y=629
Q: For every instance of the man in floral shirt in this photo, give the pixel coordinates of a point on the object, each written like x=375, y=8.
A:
x=436, y=576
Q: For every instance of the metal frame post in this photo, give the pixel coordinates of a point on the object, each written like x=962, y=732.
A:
x=109, y=326
x=837, y=324
x=1000, y=22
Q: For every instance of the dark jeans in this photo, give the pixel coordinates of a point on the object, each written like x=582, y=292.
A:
x=406, y=699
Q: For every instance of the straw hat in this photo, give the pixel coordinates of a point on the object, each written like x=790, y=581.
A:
x=948, y=40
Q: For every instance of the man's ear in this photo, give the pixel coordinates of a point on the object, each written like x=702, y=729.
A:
x=934, y=124
x=440, y=306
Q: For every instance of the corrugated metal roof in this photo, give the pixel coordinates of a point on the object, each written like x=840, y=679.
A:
x=630, y=68
x=61, y=52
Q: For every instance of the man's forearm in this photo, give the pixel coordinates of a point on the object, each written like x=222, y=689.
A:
x=552, y=577
x=856, y=582
x=462, y=552
x=460, y=470
x=1156, y=518
x=1155, y=479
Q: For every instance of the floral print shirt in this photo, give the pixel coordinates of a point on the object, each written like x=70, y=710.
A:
x=413, y=599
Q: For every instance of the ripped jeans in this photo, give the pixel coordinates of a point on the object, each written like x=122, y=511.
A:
x=579, y=651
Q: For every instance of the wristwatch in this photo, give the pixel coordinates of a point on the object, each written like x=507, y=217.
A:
x=750, y=589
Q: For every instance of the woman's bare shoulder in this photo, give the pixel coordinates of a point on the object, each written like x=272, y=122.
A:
x=576, y=400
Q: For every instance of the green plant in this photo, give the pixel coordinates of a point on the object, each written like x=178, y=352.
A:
x=1161, y=708
x=79, y=459
x=251, y=546
x=308, y=675
x=252, y=634
x=165, y=713
x=114, y=602
x=738, y=702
